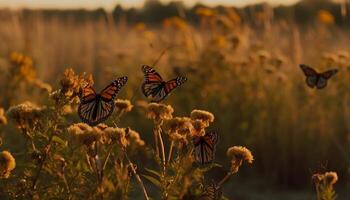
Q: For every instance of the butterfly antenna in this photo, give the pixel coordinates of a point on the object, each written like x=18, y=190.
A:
x=161, y=55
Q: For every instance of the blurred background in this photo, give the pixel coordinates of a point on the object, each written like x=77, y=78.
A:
x=241, y=59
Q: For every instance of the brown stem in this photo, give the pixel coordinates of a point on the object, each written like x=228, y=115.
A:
x=155, y=133
x=46, y=151
x=107, y=157
x=170, y=151
x=226, y=178
x=162, y=148
x=137, y=176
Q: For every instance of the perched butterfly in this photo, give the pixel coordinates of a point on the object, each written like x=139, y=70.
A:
x=95, y=108
x=211, y=192
x=315, y=79
x=155, y=88
x=204, y=147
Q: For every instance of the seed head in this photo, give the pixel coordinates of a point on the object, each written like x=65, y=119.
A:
x=202, y=115
x=123, y=105
x=159, y=112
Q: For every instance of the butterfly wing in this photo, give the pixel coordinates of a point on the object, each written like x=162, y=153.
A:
x=204, y=147
x=101, y=107
x=323, y=78
x=87, y=94
x=311, y=75
x=155, y=88
x=109, y=93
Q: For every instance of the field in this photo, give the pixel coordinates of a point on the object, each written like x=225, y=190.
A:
x=243, y=81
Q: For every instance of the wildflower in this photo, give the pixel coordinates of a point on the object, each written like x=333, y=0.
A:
x=69, y=82
x=3, y=119
x=317, y=178
x=7, y=164
x=25, y=113
x=179, y=140
x=178, y=123
x=330, y=178
x=198, y=127
x=175, y=22
x=123, y=105
x=238, y=155
x=85, y=134
x=134, y=138
x=202, y=115
x=159, y=112
x=115, y=135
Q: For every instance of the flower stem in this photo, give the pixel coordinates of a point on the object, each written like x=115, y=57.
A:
x=170, y=151
x=137, y=176
x=226, y=178
x=162, y=148
x=155, y=132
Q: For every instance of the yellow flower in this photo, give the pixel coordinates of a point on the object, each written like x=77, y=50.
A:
x=7, y=164
x=123, y=105
x=158, y=112
x=178, y=123
x=134, y=138
x=198, y=128
x=25, y=113
x=179, y=140
x=85, y=134
x=3, y=119
x=238, y=154
x=176, y=23
x=325, y=17
x=202, y=115
x=70, y=82
x=116, y=135
x=330, y=178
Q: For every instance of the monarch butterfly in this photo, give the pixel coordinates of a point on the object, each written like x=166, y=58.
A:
x=95, y=108
x=155, y=88
x=204, y=147
x=211, y=192
x=315, y=79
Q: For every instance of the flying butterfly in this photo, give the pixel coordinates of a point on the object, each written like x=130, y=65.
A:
x=315, y=79
x=95, y=108
x=155, y=88
x=204, y=147
x=211, y=192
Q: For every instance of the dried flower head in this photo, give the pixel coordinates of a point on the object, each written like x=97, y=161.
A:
x=158, y=112
x=198, y=128
x=25, y=113
x=317, y=178
x=203, y=115
x=330, y=178
x=85, y=134
x=3, y=119
x=115, y=135
x=177, y=124
x=179, y=140
x=238, y=154
x=134, y=138
x=7, y=164
x=123, y=105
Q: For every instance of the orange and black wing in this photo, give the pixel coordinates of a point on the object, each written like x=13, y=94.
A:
x=204, y=148
x=211, y=192
x=151, y=75
x=109, y=93
x=87, y=94
x=97, y=110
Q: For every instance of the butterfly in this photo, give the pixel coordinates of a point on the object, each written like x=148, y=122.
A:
x=211, y=192
x=204, y=147
x=315, y=79
x=155, y=88
x=96, y=108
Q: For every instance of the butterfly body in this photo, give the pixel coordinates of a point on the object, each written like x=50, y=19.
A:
x=315, y=79
x=95, y=108
x=204, y=147
x=155, y=88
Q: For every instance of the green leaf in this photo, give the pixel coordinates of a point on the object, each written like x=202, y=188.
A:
x=153, y=180
x=153, y=172
x=59, y=140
